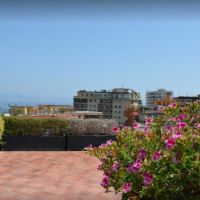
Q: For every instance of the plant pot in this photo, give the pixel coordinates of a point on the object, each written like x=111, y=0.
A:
x=34, y=143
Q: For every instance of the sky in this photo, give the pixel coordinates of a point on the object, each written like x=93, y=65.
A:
x=49, y=53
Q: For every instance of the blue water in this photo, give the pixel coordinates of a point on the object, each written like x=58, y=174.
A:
x=4, y=108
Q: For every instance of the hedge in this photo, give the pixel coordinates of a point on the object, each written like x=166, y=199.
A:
x=36, y=127
x=91, y=126
x=1, y=126
x=22, y=126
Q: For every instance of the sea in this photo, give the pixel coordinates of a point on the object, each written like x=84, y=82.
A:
x=4, y=107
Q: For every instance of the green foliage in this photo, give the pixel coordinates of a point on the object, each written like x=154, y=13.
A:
x=1, y=127
x=91, y=126
x=35, y=127
x=15, y=111
x=161, y=161
x=54, y=127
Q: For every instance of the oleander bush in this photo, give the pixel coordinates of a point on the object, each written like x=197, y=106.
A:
x=1, y=127
x=22, y=126
x=162, y=161
x=91, y=126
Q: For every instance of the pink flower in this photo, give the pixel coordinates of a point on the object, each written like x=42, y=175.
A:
x=156, y=155
x=108, y=143
x=197, y=125
x=135, y=125
x=161, y=108
x=170, y=129
x=176, y=135
x=147, y=178
x=134, y=167
x=115, y=166
x=105, y=181
x=107, y=173
x=146, y=129
x=170, y=143
x=116, y=130
x=143, y=154
x=127, y=187
x=181, y=117
x=172, y=105
x=149, y=121
x=181, y=125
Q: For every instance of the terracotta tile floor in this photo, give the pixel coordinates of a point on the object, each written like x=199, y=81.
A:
x=50, y=176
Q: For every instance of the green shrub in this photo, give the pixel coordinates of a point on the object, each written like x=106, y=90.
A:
x=161, y=161
x=1, y=127
x=35, y=127
x=91, y=126
x=55, y=127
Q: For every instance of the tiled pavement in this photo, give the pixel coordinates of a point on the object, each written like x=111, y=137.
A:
x=50, y=176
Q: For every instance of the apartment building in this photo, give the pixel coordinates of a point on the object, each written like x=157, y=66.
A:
x=39, y=109
x=111, y=103
x=159, y=97
x=186, y=100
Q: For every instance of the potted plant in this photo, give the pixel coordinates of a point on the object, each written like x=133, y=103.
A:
x=85, y=132
x=24, y=133
x=162, y=161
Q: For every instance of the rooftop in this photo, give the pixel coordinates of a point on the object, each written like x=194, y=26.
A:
x=52, y=176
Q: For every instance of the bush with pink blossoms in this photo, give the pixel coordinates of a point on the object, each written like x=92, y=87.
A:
x=160, y=162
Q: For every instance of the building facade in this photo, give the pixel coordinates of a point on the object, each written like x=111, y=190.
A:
x=39, y=110
x=111, y=103
x=159, y=97
x=186, y=100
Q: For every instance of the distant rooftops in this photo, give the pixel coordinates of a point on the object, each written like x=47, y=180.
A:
x=159, y=91
x=187, y=97
x=115, y=90
x=29, y=106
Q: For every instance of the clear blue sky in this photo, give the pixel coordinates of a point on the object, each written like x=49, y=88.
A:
x=53, y=58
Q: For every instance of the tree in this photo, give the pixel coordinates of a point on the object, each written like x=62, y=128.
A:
x=1, y=126
x=130, y=113
x=16, y=111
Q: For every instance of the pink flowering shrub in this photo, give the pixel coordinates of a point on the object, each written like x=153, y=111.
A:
x=160, y=162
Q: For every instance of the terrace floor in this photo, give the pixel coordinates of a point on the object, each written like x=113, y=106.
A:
x=51, y=176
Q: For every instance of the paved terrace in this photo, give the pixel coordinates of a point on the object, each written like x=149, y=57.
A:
x=50, y=176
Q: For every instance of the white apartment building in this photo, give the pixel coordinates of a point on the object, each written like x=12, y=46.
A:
x=111, y=103
x=152, y=97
